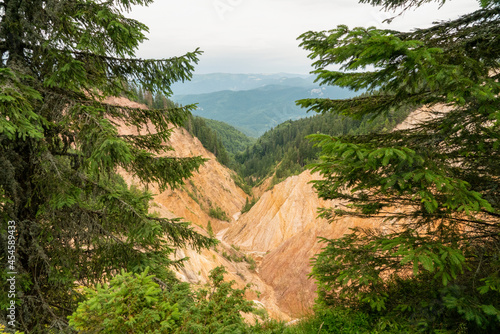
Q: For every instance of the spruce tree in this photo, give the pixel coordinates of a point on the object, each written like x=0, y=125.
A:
x=76, y=221
x=436, y=261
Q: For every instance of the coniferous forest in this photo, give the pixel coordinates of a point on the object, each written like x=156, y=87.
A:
x=284, y=150
x=81, y=251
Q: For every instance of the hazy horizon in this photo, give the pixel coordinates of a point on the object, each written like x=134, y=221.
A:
x=242, y=36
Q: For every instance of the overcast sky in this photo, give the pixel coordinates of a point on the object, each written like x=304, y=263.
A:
x=260, y=36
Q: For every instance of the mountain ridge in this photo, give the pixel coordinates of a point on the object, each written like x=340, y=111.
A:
x=212, y=82
x=257, y=110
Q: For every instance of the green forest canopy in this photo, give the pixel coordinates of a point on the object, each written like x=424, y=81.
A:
x=286, y=149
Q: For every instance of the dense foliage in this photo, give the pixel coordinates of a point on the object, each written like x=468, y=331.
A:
x=233, y=140
x=435, y=262
x=139, y=304
x=286, y=150
x=198, y=127
x=76, y=221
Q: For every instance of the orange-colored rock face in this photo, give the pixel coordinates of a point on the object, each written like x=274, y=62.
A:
x=280, y=231
x=284, y=225
x=288, y=209
x=211, y=187
x=286, y=268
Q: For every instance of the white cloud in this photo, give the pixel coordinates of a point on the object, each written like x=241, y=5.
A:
x=244, y=36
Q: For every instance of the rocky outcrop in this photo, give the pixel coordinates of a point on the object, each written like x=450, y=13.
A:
x=284, y=226
x=288, y=209
x=211, y=187
x=280, y=233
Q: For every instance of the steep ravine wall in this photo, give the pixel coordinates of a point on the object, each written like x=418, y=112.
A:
x=212, y=186
x=283, y=225
x=288, y=209
x=280, y=231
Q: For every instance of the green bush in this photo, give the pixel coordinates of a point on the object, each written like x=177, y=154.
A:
x=218, y=213
x=249, y=204
x=251, y=261
x=240, y=182
x=340, y=320
x=136, y=303
x=133, y=303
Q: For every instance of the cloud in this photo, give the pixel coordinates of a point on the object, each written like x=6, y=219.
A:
x=260, y=35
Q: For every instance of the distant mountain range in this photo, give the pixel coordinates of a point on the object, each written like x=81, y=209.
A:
x=252, y=103
x=214, y=82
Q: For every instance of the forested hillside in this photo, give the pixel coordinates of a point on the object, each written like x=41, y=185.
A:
x=220, y=138
x=286, y=150
x=257, y=110
x=210, y=138
x=233, y=140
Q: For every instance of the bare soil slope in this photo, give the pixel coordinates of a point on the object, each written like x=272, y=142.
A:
x=280, y=233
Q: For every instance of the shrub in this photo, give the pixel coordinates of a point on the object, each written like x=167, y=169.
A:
x=135, y=303
x=249, y=204
x=130, y=303
x=218, y=213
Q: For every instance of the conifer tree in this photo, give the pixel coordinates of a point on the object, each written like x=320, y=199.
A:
x=76, y=221
x=436, y=261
